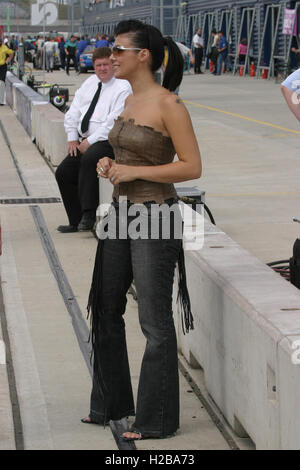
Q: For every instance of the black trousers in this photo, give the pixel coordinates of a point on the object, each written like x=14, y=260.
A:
x=198, y=59
x=151, y=263
x=3, y=71
x=73, y=59
x=78, y=182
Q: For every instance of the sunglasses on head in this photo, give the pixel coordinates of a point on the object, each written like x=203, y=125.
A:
x=120, y=49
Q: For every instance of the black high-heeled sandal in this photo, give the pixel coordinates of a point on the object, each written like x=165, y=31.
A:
x=88, y=420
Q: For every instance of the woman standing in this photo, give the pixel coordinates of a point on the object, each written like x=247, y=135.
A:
x=242, y=51
x=152, y=128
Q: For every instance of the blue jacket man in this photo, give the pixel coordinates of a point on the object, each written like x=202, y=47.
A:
x=81, y=46
x=222, y=51
x=102, y=42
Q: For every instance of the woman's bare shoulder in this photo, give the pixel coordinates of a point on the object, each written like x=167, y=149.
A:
x=128, y=99
x=170, y=100
x=172, y=105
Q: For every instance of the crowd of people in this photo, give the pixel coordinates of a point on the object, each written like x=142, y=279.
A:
x=218, y=52
x=58, y=52
x=52, y=52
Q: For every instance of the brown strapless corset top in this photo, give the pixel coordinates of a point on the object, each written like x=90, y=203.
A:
x=138, y=145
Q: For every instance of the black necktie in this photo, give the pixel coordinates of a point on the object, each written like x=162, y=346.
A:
x=86, y=120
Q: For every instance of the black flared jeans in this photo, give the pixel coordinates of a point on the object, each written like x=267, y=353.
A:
x=151, y=263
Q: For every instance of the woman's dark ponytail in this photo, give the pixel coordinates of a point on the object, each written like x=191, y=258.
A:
x=174, y=68
x=146, y=36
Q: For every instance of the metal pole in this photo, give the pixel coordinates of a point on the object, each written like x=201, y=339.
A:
x=161, y=11
x=72, y=16
x=21, y=60
x=44, y=36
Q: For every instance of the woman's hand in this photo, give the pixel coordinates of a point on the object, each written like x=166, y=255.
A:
x=103, y=166
x=121, y=173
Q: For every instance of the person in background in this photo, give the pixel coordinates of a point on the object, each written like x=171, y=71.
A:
x=6, y=56
x=70, y=49
x=102, y=41
x=111, y=41
x=62, y=52
x=185, y=51
x=198, y=45
x=81, y=46
x=13, y=43
x=214, y=50
x=49, y=50
x=39, y=50
x=296, y=50
x=242, y=50
x=222, y=52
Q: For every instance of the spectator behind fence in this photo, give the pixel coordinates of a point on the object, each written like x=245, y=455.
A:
x=96, y=105
x=242, y=50
x=6, y=56
x=290, y=89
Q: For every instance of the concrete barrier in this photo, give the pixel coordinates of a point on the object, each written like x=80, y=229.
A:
x=49, y=132
x=21, y=99
x=10, y=80
x=247, y=318
x=26, y=100
x=42, y=121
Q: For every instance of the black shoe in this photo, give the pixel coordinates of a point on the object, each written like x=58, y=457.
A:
x=88, y=420
x=87, y=221
x=67, y=228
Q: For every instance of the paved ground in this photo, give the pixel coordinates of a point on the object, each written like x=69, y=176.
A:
x=249, y=145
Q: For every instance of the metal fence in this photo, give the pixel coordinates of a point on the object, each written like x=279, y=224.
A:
x=259, y=22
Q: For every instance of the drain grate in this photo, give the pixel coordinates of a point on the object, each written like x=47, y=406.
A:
x=31, y=200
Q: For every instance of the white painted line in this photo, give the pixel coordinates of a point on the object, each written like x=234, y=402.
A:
x=2, y=353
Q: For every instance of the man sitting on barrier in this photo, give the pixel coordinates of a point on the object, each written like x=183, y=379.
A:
x=96, y=105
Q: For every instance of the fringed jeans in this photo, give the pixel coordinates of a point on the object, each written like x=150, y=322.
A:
x=151, y=264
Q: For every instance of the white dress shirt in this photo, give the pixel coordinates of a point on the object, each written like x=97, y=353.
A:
x=198, y=41
x=110, y=105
